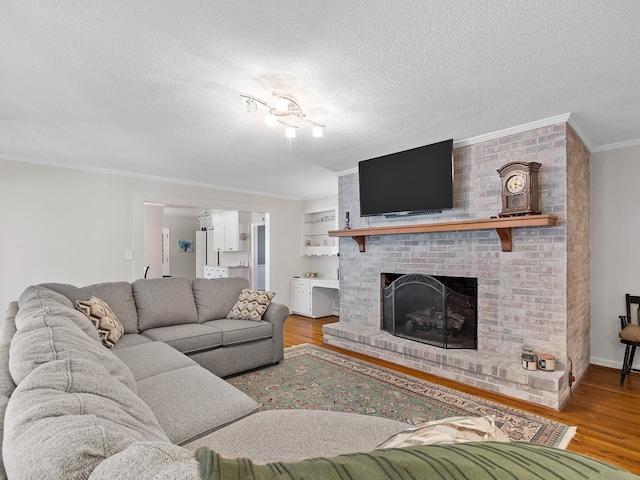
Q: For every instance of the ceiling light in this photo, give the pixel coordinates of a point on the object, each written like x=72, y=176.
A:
x=271, y=120
x=282, y=104
x=287, y=112
x=250, y=105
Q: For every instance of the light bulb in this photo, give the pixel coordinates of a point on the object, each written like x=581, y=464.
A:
x=317, y=132
x=271, y=120
x=249, y=105
x=290, y=132
x=282, y=104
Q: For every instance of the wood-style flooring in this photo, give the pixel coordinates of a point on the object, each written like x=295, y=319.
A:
x=606, y=414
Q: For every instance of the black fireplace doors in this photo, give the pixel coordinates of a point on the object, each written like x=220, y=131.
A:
x=436, y=310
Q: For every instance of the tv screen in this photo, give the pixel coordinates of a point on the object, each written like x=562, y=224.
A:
x=414, y=181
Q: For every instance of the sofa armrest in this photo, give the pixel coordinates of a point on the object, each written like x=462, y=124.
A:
x=276, y=314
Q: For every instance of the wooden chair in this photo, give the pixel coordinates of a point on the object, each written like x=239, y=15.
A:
x=630, y=334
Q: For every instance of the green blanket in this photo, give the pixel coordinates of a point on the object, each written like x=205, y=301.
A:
x=468, y=461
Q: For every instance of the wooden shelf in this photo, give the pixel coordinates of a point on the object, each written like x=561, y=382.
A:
x=502, y=226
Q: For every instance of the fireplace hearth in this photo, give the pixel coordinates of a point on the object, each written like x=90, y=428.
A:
x=436, y=310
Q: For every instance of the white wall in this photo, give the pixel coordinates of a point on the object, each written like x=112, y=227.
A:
x=181, y=264
x=73, y=226
x=615, y=247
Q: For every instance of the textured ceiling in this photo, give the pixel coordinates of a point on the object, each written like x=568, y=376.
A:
x=153, y=88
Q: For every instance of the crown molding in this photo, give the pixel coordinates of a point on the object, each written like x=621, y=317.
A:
x=576, y=128
x=348, y=171
x=545, y=122
x=616, y=146
x=140, y=176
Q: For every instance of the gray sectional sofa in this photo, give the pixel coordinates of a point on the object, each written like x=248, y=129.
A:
x=71, y=402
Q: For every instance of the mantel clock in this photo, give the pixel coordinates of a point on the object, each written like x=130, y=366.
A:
x=519, y=189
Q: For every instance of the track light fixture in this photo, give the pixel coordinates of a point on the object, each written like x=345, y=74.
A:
x=287, y=112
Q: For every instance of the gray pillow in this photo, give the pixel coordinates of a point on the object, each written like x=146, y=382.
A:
x=163, y=302
x=216, y=297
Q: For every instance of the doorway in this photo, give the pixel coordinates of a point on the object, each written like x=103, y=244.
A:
x=259, y=255
x=165, y=252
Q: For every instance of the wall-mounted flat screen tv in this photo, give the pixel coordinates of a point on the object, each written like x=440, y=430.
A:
x=411, y=182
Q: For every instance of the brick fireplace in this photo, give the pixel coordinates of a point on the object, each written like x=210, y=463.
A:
x=538, y=294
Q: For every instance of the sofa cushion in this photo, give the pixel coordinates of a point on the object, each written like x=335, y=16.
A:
x=119, y=296
x=191, y=402
x=153, y=358
x=42, y=337
x=130, y=340
x=163, y=302
x=290, y=435
x=67, y=416
x=240, y=331
x=7, y=385
x=251, y=305
x=107, y=325
x=188, y=338
x=216, y=297
x=156, y=460
x=38, y=297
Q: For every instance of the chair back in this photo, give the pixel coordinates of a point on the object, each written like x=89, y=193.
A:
x=633, y=307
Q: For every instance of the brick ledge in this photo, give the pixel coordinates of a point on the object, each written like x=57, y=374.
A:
x=489, y=372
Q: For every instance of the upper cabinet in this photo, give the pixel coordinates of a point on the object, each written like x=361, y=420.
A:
x=316, y=226
x=231, y=231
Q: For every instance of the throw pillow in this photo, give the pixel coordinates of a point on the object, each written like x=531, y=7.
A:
x=448, y=430
x=109, y=328
x=251, y=305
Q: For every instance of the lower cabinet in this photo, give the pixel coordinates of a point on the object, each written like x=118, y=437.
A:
x=300, y=297
x=314, y=298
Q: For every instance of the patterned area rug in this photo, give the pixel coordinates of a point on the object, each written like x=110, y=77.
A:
x=314, y=378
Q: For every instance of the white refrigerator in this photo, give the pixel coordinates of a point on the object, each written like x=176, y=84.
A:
x=205, y=252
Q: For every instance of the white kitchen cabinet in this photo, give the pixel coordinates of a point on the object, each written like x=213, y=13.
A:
x=226, y=272
x=314, y=297
x=316, y=226
x=231, y=231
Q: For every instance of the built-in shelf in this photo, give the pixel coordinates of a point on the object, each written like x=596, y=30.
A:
x=501, y=225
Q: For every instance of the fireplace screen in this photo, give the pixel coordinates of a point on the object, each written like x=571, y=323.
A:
x=440, y=311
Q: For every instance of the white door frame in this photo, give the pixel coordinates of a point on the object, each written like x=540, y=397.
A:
x=254, y=253
x=166, y=242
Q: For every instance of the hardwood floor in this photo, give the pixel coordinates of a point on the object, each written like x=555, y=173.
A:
x=606, y=414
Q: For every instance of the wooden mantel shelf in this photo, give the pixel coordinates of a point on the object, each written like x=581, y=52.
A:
x=502, y=225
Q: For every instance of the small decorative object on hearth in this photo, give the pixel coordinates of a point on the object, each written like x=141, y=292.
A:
x=528, y=358
x=347, y=226
x=546, y=362
x=519, y=189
